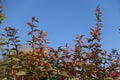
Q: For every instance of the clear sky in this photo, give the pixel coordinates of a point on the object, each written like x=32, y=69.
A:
x=64, y=19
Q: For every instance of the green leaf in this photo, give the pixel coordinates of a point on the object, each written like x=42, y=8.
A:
x=51, y=69
x=109, y=78
x=21, y=73
x=41, y=68
x=17, y=41
x=15, y=59
x=2, y=43
x=69, y=78
x=2, y=17
x=63, y=73
x=16, y=37
x=4, y=79
x=18, y=67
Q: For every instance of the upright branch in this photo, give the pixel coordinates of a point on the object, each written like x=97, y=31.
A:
x=38, y=36
x=11, y=47
x=11, y=39
x=91, y=55
x=32, y=33
x=98, y=17
x=96, y=32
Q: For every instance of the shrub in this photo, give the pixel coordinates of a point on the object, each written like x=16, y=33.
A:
x=85, y=62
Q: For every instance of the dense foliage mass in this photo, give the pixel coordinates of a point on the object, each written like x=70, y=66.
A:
x=86, y=61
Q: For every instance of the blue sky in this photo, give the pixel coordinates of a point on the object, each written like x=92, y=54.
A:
x=64, y=19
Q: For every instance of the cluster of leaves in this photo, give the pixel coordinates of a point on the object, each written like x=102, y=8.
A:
x=2, y=17
x=87, y=61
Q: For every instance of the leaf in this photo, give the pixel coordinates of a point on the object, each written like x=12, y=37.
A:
x=15, y=59
x=29, y=41
x=30, y=24
x=41, y=68
x=21, y=73
x=17, y=41
x=35, y=30
x=4, y=79
x=18, y=67
x=51, y=69
x=35, y=53
x=11, y=39
x=30, y=33
x=4, y=54
x=16, y=37
x=2, y=43
x=3, y=34
x=84, y=46
x=69, y=78
x=2, y=17
x=4, y=64
x=13, y=49
x=12, y=44
x=109, y=78
x=6, y=49
x=63, y=73
x=36, y=21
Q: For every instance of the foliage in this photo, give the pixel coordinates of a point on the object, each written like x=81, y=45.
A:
x=2, y=16
x=87, y=61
